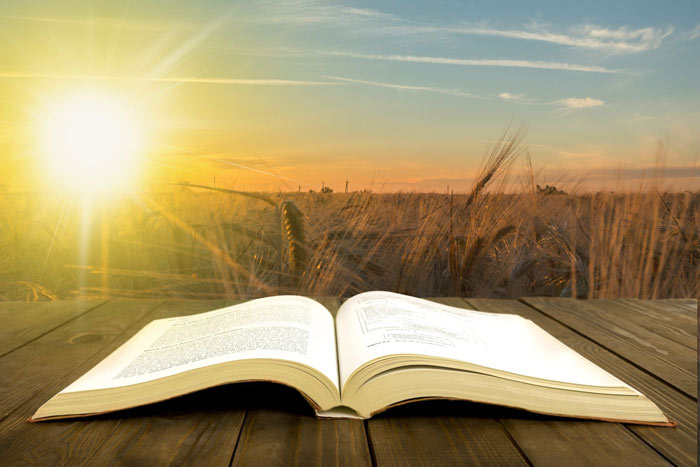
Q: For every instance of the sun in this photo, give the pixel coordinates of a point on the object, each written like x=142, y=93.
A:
x=90, y=142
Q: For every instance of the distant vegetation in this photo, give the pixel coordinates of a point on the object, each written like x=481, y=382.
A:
x=201, y=243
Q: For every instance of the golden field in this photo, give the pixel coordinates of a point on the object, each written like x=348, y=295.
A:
x=194, y=243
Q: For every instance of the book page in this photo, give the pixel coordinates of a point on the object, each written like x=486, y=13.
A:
x=285, y=327
x=378, y=324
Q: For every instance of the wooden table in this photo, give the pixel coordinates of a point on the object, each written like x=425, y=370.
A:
x=651, y=345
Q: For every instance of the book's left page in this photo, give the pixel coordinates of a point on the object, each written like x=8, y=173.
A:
x=290, y=328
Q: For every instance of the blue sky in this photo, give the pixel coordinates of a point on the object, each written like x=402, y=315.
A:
x=404, y=94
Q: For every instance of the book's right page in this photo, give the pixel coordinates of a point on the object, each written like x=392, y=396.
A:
x=379, y=324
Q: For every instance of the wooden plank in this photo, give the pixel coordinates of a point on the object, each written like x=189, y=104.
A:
x=196, y=429
x=190, y=428
x=676, y=444
x=282, y=430
x=658, y=318
x=28, y=369
x=23, y=322
x=576, y=443
x=687, y=306
x=44, y=367
x=668, y=360
x=686, y=310
x=615, y=317
x=444, y=433
x=552, y=441
x=200, y=428
x=80, y=440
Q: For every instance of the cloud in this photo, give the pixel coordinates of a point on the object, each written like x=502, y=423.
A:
x=239, y=161
x=312, y=12
x=234, y=163
x=571, y=103
x=405, y=87
x=695, y=33
x=622, y=39
x=579, y=102
x=568, y=105
x=165, y=79
x=365, y=12
x=506, y=96
x=478, y=62
x=589, y=36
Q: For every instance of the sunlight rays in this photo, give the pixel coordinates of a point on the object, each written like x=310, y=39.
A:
x=90, y=142
x=216, y=251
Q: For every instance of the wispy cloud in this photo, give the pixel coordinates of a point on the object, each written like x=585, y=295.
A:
x=244, y=161
x=622, y=39
x=312, y=12
x=589, y=36
x=571, y=103
x=479, y=62
x=506, y=96
x=247, y=166
x=695, y=33
x=566, y=105
x=405, y=87
x=165, y=79
x=579, y=102
x=366, y=12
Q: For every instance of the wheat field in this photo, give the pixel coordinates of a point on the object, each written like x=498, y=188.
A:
x=199, y=243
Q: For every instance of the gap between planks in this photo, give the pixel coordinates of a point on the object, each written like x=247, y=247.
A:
x=677, y=444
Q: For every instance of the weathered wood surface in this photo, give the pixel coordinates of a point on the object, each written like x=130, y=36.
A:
x=602, y=323
x=457, y=433
x=283, y=431
x=25, y=321
x=651, y=345
x=677, y=444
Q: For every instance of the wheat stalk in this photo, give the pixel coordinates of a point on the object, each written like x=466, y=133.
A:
x=292, y=231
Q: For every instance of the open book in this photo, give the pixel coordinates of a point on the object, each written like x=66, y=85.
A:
x=381, y=350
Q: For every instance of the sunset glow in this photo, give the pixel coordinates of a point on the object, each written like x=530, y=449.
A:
x=388, y=96
x=216, y=150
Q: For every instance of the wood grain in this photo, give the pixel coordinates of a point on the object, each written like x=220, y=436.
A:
x=79, y=440
x=442, y=433
x=200, y=428
x=196, y=429
x=686, y=306
x=677, y=444
x=576, y=443
x=262, y=423
x=282, y=430
x=22, y=322
x=670, y=361
x=656, y=318
x=28, y=369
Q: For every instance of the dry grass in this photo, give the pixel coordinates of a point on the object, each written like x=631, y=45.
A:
x=194, y=243
x=506, y=245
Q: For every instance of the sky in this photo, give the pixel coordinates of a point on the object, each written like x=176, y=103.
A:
x=388, y=95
